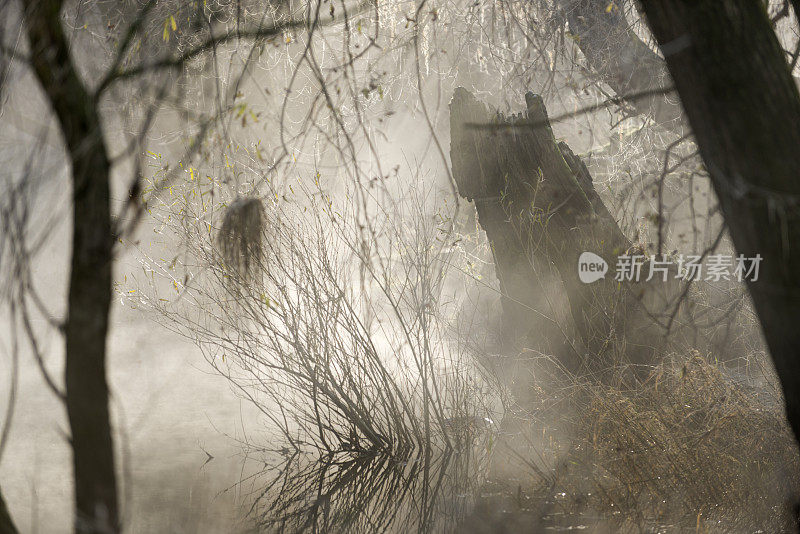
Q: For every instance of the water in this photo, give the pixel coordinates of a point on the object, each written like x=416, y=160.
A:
x=168, y=409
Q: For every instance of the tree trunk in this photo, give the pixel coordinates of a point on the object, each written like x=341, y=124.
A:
x=90, y=277
x=6, y=523
x=744, y=108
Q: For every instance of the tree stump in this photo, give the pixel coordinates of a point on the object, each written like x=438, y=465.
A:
x=536, y=202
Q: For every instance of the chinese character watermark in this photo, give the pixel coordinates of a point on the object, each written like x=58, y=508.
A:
x=635, y=268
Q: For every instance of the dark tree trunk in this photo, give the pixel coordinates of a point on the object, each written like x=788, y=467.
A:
x=744, y=108
x=90, y=277
x=6, y=524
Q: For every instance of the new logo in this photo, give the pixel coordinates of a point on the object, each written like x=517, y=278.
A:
x=591, y=267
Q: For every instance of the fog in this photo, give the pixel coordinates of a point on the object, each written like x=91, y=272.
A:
x=346, y=287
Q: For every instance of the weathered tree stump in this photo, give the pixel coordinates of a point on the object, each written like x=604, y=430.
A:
x=536, y=202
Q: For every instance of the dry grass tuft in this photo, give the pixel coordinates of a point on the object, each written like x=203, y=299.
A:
x=692, y=447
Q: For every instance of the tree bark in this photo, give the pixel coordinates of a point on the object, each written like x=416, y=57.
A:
x=6, y=523
x=744, y=108
x=90, y=275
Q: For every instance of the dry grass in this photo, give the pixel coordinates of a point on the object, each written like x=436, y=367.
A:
x=693, y=447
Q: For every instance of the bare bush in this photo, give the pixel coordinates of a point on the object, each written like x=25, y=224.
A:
x=340, y=346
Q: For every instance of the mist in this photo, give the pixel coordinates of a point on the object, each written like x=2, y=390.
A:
x=398, y=267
